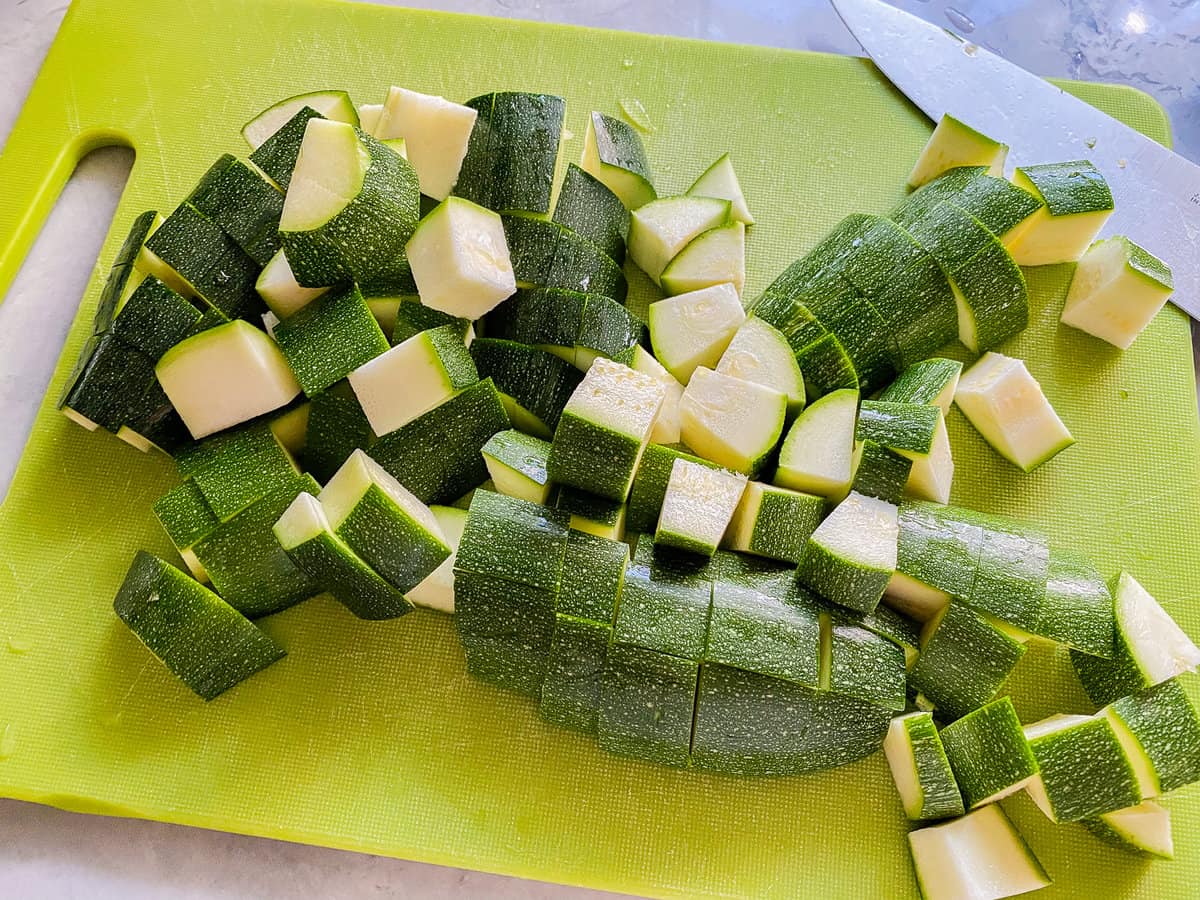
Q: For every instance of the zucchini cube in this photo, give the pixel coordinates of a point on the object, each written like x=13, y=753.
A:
x=695, y=328
x=767, y=576
x=759, y=352
x=589, y=207
x=647, y=701
x=920, y=769
x=1144, y=830
x=506, y=630
x=225, y=375
x=980, y=855
x=937, y=556
x=774, y=522
x=460, y=259
x=852, y=554
x=407, y=381
x=613, y=153
x=437, y=455
x=649, y=487
x=1160, y=732
x=205, y=642
x=330, y=338
x=108, y=384
x=734, y=423
x=235, y=469
x=547, y=254
x=245, y=563
x=279, y=289
x=607, y=329
x=516, y=464
x=412, y=317
x=1076, y=202
x=571, y=689
x=989, y=753
x=1078, y=609
x=1117, y=289
x=906, y=428
x=930, y=381
x=593, y=577
x=953, y=144
x=436, y=591
x=711, y=258
x=393, y=531
x=663, y=613
x=337, y=426
x=244, y=204
x=881, y=473
x=436, y=133
x=535, y=384
x=861, y=664
x=817, y=455
x=751, y=724
x=513, y=539
x=660, y=229
x=540, y=317
x=595, y=515
x=1083, y=769
x=154, y=318
x=752, y=631
x=277, y=152
x=187, y=519
x=305, y=535
x=964, y=661
x=1012, y=574
x=698, y=506
x=604, y=428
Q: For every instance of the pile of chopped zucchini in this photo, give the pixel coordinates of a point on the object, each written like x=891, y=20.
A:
x=718, y=538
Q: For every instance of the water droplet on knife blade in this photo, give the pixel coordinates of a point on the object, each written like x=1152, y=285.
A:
x=960, y=20
x=636, y=114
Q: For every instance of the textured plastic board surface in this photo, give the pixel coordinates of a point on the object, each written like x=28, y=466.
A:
x=371, y=736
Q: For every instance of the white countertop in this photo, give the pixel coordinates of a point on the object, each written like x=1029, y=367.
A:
x=47, y=853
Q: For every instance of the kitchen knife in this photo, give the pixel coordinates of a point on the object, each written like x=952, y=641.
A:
x=1156, y=192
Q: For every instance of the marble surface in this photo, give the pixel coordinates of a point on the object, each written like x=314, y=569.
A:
x=45, y=853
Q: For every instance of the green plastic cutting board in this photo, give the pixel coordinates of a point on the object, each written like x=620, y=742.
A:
x=371, y=736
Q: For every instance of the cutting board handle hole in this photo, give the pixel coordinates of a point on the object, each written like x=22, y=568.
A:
x=39, y=308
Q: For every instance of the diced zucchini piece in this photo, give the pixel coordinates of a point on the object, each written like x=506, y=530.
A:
x=154, y=318
x=1083, y=769
x=1008, y=408
x=964, y=660
x=331, y=338
x=1144, y=829
x=1076, y=202
x=760, y=353
x=662, y=228
x=720, y=180
x=1160, y=731
x=650, y=485
x=350, y=208
x=990, y=292
x=412, y=317
x=571, y=689
x=117, y=283
x=206, y=643
x=772, y=578
x=276, y=156
x=1012, y=573
x=187, y=519
x=880, y=472
x=536, y=385
x=937, y=556
x=751, y=631
x=368, y=117
x=818, y=453
x=607, y=329
x=233, y=470
x=437, y=455
x=752, y=724
x=955, y=143
x=334, y=105
x=604, y=428
x=907, y=428
x=788, y=314
x=337, y=427
x=549, y=318
x=279, y=289
x=931, y=381
x=1149, y=648
x=662, y=613
x=716, y=256
x=946, y=186
x=698, y=506
x=774, y=522
x=1116, y=290
x=593, y=577
x=860, y=664
x=460, y=259
x=694, y=329
x=107, y=385
x=224, y=376
x=510, y=158
x=436, y=590
x=920, y=769
x=851, y=555
x=410, y=379
x=506, y=629
x=550, y=255
x=860, y=330
x=435, y=133
x=587, y=206
x=246, y=206
x=932, y=475
x=998, y=204
x=517, y=462
x=305, y=535
x=989, y=754
x=1078, y=609
x=206, y=263
x=393, y=531
x=513, y=539
x=666, y=423
x=981, y=856
x=732, y=422
x=597, y=516
x=247, y=566
x=613, y=153
x=647, y=701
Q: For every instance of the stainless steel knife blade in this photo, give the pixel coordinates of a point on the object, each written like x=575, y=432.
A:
x=1156, y=192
